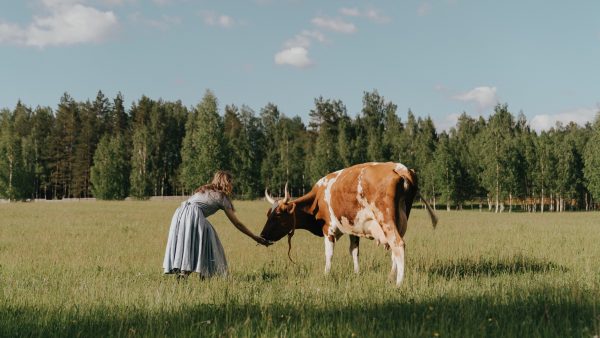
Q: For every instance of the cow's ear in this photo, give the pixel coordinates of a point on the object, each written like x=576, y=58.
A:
x=292, y=208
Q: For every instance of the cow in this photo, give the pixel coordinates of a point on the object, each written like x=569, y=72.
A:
x=371, y=200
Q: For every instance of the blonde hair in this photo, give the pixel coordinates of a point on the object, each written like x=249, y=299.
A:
x=222, y=182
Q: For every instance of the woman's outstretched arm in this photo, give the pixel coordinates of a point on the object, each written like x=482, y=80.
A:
x=241, y=227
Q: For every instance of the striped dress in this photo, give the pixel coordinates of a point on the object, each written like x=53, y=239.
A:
x=193, y=244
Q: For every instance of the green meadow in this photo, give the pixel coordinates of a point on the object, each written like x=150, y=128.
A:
x=94, y=269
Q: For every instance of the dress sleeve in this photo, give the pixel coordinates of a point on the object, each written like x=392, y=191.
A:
x=226, y=203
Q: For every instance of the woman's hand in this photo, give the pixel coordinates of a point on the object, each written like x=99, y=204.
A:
x=262, y=241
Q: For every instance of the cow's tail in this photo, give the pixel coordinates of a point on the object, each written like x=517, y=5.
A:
x=432, y=215
x=410, y=177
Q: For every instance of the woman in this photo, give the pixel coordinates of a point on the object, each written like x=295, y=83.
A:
x=193, y=244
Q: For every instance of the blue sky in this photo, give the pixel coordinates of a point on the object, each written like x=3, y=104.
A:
x=438, y=58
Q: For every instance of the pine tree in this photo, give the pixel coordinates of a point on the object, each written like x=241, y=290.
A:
x=87, y=140
x=117, y=119
x=63, y=141
x=42, y=124
x=101, y=110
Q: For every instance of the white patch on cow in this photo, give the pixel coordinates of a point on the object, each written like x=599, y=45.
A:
x=368, y=218
x=334, y=223
x=400, y=167
x=322, y=182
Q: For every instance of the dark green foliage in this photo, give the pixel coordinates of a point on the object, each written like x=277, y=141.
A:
x=63, y=141
x=203, y=150
x=244, y=138
x=592, y=161
x=170, y=150
x=14, y=168
x=324, y=120
x=110, y=173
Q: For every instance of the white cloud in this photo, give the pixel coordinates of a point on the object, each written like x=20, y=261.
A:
x=68, y=22
x=304, y=39
x=580, y=116
x=294, y=56
x=295, y=52
x=375, y=15
x=219, y=20
x=350, y=11
x=11, y=33
x=334, y=24
x=163, y=23
x=372, y=14
x=424, y=9
x=112, y=3
x=484, y=97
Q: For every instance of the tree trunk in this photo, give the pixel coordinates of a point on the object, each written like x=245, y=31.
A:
x=587, y=207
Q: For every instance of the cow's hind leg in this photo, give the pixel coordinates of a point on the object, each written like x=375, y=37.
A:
x=398, y=260
x=329, y=244
x=354, y=241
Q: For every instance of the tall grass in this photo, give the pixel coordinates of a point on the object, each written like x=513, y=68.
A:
x=94, y=269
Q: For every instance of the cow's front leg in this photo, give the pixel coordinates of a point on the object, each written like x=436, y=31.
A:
x=329, y=243
x=354, y=241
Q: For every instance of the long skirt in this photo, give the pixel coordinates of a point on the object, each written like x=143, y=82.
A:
x=193, y=244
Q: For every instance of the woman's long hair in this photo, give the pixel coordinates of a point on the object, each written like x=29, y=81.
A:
x=222, y=182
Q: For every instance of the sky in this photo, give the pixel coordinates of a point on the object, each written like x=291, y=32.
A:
x=438, y=58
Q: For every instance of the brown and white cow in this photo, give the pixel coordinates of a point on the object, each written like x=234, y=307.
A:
x=371, y=200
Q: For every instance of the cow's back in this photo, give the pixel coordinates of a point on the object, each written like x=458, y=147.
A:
x=350, y=198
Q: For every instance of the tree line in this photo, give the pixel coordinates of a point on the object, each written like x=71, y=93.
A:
x=158, y=148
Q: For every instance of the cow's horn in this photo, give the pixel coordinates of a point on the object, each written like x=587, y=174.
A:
x=268, y=197
x=287, y=193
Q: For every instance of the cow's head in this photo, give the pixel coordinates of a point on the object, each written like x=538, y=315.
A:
x=280, y=218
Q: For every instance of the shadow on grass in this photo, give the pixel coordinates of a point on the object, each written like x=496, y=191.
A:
x=488, y=267
x=545, y=312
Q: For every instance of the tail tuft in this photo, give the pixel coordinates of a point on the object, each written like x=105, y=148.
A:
x=432, y=215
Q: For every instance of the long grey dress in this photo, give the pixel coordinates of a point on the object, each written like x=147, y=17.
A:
x=193, y=244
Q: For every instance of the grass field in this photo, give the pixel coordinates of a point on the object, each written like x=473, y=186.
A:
x=94, y=269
